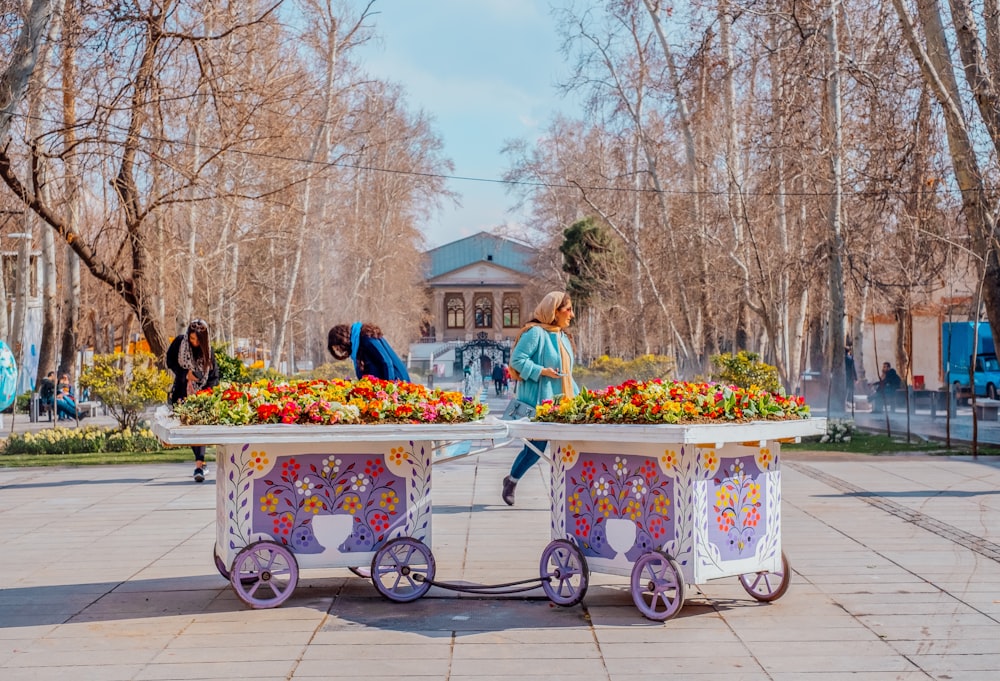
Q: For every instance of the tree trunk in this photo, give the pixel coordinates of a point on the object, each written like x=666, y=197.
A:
x=838, y=386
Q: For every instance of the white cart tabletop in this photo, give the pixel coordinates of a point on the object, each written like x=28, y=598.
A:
x=688, y=433
x=170, y=431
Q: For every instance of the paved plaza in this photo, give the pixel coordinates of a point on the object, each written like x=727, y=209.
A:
x=896, y=565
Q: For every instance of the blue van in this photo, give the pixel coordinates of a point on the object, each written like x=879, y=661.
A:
x=956, y=354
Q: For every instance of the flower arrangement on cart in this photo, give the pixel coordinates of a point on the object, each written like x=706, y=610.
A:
x=326, y=402
x=662, y=511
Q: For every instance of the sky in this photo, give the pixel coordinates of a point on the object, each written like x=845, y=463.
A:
x=485, y=72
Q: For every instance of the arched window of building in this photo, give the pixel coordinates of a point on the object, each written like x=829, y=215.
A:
x=484, y=311
x=511, y=311
x=454, y=308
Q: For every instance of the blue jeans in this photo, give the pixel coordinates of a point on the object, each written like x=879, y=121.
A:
x=526, y=459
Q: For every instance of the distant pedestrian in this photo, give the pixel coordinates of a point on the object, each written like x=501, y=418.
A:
x=851, y=374
x=498, y=379
x=885, y=390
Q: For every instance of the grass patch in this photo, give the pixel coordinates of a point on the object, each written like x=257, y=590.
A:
x=175, y=455
x=879, y=443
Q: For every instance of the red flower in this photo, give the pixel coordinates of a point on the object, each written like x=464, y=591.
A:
x=267, y=411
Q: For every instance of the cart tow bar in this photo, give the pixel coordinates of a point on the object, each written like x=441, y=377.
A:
x=487, y=589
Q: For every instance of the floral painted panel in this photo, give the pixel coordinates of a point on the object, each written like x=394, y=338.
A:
x=617, y=504
x=343, y=500
x=737, y=496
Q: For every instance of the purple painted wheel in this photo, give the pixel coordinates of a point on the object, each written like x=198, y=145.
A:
x=363, y=572
x=264, y=574
x=564, y=571
x=219, y=565
x=657, y=586
x=766, y=585
x=403, y=569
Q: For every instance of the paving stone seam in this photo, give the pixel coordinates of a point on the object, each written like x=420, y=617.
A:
x=980, y=545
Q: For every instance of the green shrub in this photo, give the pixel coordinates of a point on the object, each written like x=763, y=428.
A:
x=126, y=384
x=331, y=370
x=231, y=368
x=839, y=430
x=746, y=370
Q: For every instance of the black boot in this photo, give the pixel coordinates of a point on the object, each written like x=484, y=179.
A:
x=509, y=485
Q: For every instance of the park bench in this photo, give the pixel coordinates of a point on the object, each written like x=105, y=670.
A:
x=935, y=400
x=987, y=410
x=88, y=408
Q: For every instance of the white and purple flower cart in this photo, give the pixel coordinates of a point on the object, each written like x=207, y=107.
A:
x=312, y=496
x=665, y=505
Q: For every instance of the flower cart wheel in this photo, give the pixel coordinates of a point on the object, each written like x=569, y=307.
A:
x=766, y=585
x=403, y=569
x=657, y=586
x=264, y=574
x=363, y=572
x=219, y=564
x=564, y=572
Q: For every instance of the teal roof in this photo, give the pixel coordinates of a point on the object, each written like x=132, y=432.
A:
x=481, y=247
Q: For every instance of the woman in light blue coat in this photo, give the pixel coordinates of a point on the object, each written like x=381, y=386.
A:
x=543, y=360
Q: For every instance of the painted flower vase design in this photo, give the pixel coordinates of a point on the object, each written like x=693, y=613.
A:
x=613, y=508
x=313, y=502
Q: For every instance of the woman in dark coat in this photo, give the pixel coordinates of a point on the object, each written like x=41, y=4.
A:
x=371, y=353
x=192, y=360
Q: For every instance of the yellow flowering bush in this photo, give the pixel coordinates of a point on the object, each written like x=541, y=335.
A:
x=126, y=384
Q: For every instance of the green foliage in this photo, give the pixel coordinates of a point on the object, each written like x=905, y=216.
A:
x=126, y=384
x=605, y=371
x=591, y=258
x=81, y=440
x=745, y=369
x=231, y=368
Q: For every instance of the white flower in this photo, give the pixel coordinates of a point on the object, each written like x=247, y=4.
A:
x=305, y=487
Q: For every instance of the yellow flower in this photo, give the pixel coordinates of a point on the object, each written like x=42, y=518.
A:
x=669, y=459
x=268, y=503
x=398, y=455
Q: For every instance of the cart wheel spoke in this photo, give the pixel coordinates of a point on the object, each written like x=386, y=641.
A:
x=264, y=563
x=768, y=586
x=657, y=586
x=564, y=573
x=403, y=569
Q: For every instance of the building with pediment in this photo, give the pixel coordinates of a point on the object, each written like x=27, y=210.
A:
x=478, y=289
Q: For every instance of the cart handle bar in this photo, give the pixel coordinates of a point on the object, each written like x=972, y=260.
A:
x=476, y=452
x=488, y=589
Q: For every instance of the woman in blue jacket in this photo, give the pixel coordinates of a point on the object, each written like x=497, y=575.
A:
x=371, y=353
x=542, y=358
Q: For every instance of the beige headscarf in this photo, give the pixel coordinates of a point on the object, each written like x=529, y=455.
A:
x=545, y=313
